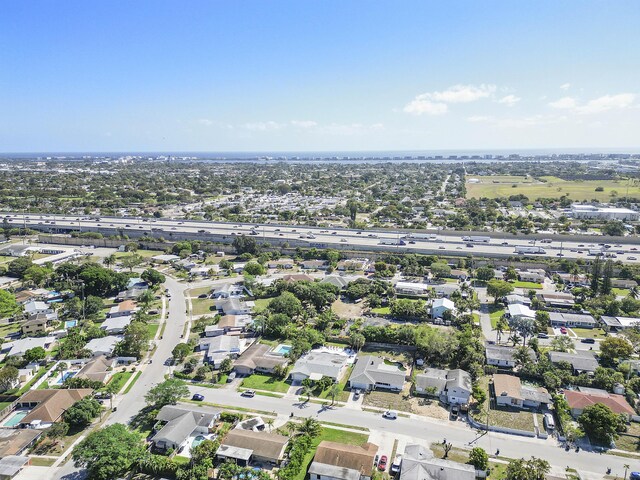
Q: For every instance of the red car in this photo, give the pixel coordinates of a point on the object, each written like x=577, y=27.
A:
x=382, y=464
x=563, y=330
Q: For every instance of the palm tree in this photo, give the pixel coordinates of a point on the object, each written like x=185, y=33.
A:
x=501, y=326
x=110, y=260
x=269, y=422
x=310, y=426
x=634, y=292
x=307, y=390
x=334, y=391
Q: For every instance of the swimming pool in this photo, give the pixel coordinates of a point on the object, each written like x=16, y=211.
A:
x=16, y=418
x=70, y=323
x=64, y=376
x=197, y=441
x=282, y=349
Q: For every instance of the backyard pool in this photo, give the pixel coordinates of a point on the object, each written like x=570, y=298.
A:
x=16, y=418
x=197, y=441
x=70, y=323
x=64, y=376
x=282, y=349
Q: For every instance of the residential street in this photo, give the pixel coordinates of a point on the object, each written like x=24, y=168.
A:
x=590, y=465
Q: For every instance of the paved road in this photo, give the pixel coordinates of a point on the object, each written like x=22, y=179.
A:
x=591, y=465
x=313, y=236
x=127, y=406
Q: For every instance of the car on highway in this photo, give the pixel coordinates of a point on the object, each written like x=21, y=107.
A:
x=631, y=258
x=343, y=240
x=248, y=393
x=382, y=463
x=504, y=244
x=198, y=397
x=441, y=247
x=334, y=233
x=469, y=245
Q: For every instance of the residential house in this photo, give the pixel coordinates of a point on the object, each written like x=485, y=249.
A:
x=297, y=277
x=412, y=288
x=315, y=365
x=339, y=461
x=257, y=358
x=246, y=447
x=618, y=324
x=340, y=282
x=459, y=274
x=502, y=356
x=239, y=267
x=116, y=325
x=130, y=294
x=17, y=441
x=519, y=311
x=180, y=422
x=284, y=263
x=581, y=361
x=165, y=258
x=535, y=275
x=623, y=283
x=103, y=346
x=17, y=348
x=353, y=264
x=98, y=369
x=509, y=392
x=234, y=306
x=125, y=308
x=418, y=463
x=572, y=279
x=36, y=307
x=227, y=324
x=445, y=289
x=228, y=290
x=451, y=386
x=517, y=300
x=12, y=465
x=47, y=406
x=579, y=399
x=441, y=306
x=220, y=347
x=35, y=325
x=372, y=373
x=314, y=265
x=556, y=299
x=571, y=320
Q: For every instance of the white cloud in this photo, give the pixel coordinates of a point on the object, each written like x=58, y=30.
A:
x=564, y=103
x=518, y=122
x=509, y=100
x=463, y=93
x=597, y=105
x=422, y=104
x=262, y=126
x=350, y=128
x=205, y=121
x=304, y=123
x=565, y=86
x=479, y=118
x=435, y=103
x=607, y=102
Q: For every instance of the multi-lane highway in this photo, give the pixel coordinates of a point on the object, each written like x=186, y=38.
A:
x=627, y=250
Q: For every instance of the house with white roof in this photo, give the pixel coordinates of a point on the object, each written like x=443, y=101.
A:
x=452, y=386
x=315, y=365
x=220, y=347
x=519, y=311
x=104, y=345
x=115, y=325
x=17, y=348
x=36, y=307
x=440, y=306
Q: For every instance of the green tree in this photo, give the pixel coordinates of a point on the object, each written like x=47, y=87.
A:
x=440, y=270
x=498, y=289
x=109, y=452
x=166, y=393
x=81, y=413
x=180, y=351
x=310, y=426
x=485, y=273
x=254, y=269
x=511, y=274
x=8, y=304
x=356, y=340
x=110, y=260
x=8, y=377
x=131, y=261
x=478, y=458
x=613, y=349
x=532, y=469
x=334, y=391
x=135, y=340
x=243, y=244
x=607, y=274
x=226, y=366
x=287, y=304
x=600, y=423
x=35, y=354
x=562, y=344
x=153, y=277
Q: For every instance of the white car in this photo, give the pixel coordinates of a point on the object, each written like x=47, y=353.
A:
x=390, y=414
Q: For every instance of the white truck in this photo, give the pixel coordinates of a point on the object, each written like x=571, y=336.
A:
x=392, y=242
x=476, y=239
x=421, y=236
x=530, y=250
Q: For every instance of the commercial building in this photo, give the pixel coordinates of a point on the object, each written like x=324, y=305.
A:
x=603, y=213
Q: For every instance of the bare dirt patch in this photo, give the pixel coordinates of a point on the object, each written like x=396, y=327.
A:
x=347, y=310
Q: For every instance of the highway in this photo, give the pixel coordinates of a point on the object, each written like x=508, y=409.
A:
x=627, y=250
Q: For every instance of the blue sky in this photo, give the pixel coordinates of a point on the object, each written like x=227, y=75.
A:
x=318, y=75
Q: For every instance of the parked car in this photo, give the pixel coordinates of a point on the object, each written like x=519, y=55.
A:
x=395, y=466
x=563, y=330
x=198, y=397
x=455, y=410
x=390, y=414
x=634, y=476
x=543, y=335
x=249, y=393
x=382, y=464
x=356, y=394
x=231, y=377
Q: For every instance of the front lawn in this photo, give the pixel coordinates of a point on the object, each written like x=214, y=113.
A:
x=381, y=311
x=620, y=292
x=119, y=379
x=343, y=396
x=153, y=329
x=387, y=400
x=258, y=381
x=194, y=292
x=495, y=314
x=331, y=435
x=203, y=306
x=527, y=285
x=589, y=332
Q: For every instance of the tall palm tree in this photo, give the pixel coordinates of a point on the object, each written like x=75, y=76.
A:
x=110, y=260
x=310, y=426
x=635, y=292
x=307, y=391
x=501, y=326
x=334, y=391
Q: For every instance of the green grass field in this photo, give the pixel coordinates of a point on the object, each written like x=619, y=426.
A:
x=119, y=379
x=153, y=329
x=265, y=382
x=526, y=285
x=494, y=315
x=552, y=187
x=203, y=306
x=261, y=304
x=381, y=310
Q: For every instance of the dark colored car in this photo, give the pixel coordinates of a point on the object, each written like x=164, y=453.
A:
x=588, y=340
x=382, y=464
x=197, y=397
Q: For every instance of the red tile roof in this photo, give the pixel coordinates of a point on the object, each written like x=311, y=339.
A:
x=580, y=400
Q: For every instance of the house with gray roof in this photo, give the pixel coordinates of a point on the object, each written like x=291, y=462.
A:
x=17, y=348
x=233, y=306
x=418, y=463
x=452, y=386
x=258, y=358
x=581, y=362
x=502, y=356
x=315, y=365
x=104, y=345
x=115, y=325
x=340, y=282
x=371, y=373
x=220, y=347
x=179, y=422
x=578, y=320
